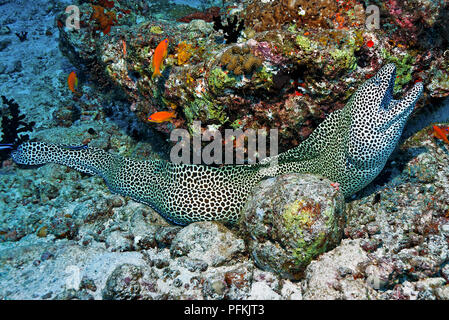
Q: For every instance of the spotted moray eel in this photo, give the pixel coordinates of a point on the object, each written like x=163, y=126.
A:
x=350, y=147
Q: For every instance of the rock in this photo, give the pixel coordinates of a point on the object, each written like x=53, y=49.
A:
x=15, y=67
x=430, y=284
x=4, y=44
x=210, y=242
x=200, y=26
x=445, y=272
x=291, y=291
x=71, y=294
x=165, y=235
x=192, y=265
x=239, y=280
x=4, y=30
x=75, y=272
x=119, y=241
x=290, y=220
x=442, y=293
x=261, y=291
x=123, y=283
x=405, y=243
x=323, y=281
x=445, y=229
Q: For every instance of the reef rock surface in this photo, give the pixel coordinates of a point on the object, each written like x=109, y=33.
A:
x=293, y=64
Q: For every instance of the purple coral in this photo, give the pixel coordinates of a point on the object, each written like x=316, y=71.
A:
x=263, y=49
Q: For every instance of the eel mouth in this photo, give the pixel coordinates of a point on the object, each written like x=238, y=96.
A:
x=398, y=110
x=385, y=79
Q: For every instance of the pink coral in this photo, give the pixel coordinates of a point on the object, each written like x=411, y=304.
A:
x=264, y=50
x=401, y=18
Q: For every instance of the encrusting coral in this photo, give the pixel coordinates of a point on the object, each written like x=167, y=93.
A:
x=183, y=52
x=240, y=60
x=104, y=20
x=318, y=13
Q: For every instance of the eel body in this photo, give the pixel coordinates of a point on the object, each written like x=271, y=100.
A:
x=350, y=147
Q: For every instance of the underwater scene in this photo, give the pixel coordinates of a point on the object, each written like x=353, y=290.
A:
x=224, y=150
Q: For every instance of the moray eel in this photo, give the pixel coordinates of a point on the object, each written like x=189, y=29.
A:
x=351, y=146
x=181, y=193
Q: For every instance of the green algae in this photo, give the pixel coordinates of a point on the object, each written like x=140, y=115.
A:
x=343, y=59
x=219, y=80
x=264, y=76
x=156, y=30
x=237, y=124
x=304, y=43
x=204, y=109
x=305, y=251
x=404, y=67
x=299, y=217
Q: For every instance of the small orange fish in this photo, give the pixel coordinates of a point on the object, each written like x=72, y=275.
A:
x=162, y=116
x=72, y=81
x=158, y=57
x=439, y=134
x=124, y=47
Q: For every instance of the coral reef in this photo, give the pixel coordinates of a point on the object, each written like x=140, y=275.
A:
x=305, y=70
x=395, y=240
x=240, y=61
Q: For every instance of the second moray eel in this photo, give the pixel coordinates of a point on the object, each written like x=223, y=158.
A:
x=350, y=147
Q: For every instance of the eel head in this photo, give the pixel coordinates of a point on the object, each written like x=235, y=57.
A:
x=377, y=120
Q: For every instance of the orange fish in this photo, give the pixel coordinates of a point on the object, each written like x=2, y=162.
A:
x=162, y=116
x=124, y=47
x=158, y=57
x=72, y=81
x=439, y=134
